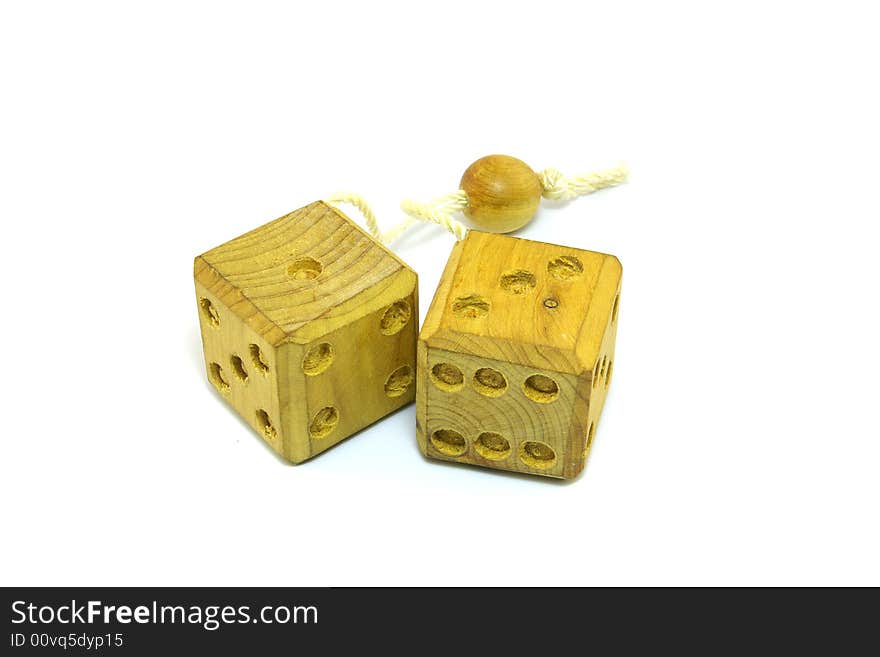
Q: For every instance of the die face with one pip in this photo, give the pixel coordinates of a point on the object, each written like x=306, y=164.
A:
x=516, y=355
x=309, y=329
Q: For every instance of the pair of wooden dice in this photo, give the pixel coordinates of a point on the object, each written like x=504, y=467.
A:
x=310, y=332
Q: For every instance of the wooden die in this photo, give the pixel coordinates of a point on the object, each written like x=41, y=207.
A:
x=309, y=329
x=516, y=355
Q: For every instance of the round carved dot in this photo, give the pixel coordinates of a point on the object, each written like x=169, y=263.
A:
x=324, y=422
x=399, y=381
x=447, y=377
x=489, y=382
x=492, y=446
x=257, y=359
x=304, y=269
x=318, y=358
x=537, y=455
x=217, y=378
x=449, y=442
x=266, y=425
x=238, y=368
x=540, y=388
x=518, y=281
x=551, y=303
x=210, y=312
x=565, y=268
x=395, y=317
x=472, y=306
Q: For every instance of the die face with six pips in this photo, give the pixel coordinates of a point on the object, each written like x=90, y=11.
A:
x=309, y=329
x=516, y=354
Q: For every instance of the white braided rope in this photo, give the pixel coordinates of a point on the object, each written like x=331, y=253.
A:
x=439, y=211
x=560, y=187
x=361, y=204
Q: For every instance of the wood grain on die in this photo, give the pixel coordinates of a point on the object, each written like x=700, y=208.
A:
x=548, y=324
x=311, y=263
x=510, y=413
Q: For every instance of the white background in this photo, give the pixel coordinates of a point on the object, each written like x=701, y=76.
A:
x=740, y=441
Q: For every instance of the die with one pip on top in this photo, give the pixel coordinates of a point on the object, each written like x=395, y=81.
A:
x=309, y=329
x=516, y=355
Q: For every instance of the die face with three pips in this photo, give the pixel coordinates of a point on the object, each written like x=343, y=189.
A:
x=516, y=355
x=309, y=329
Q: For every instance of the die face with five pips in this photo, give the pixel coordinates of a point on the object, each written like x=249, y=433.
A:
x=309, y=329
x=516, y=355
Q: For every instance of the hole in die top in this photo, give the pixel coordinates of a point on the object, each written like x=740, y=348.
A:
x=324, y=422
x=518, y=281
x=541, y=388
x=565, y=268
x=608, y=373
x=257, y=359
x=492, y=446
x=537, y=455
x=395, y=317
x=449, y=442
x=304, y=269
x=318, y=358
x=489, y=382
x=615, y=307
x=472, y=306
x=238, y=368
x=447, y=376
x=210, y=312
x=216, y=376
x=265, y=424
x=399, y=381
x=590, y=434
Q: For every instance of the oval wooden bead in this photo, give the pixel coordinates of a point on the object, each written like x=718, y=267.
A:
x=503, y=193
